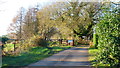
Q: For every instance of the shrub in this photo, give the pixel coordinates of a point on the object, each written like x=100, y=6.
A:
x=95, y=40
x=76, y=42
x=91, y=44
x=3, y=39
x=8, y=49
x=109, y=40
x=38, y=41
x=9, y=41
x=83, y=41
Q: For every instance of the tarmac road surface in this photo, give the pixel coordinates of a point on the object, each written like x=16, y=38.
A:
x=76, y=56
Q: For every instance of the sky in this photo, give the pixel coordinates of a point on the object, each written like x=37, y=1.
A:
x=9, y=9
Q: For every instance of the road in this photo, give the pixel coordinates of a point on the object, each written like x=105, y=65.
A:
x=76, y=56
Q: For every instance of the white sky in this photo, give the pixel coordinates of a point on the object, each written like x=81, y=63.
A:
x=9, y=8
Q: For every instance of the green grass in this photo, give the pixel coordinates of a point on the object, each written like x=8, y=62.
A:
x=35, y=54
x=93, y=52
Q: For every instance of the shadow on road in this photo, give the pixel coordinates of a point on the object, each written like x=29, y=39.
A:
x=77, y=56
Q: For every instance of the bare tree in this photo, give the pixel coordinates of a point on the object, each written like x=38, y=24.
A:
x=16, y=26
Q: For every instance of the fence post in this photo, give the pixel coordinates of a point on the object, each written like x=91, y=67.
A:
x=14, y=45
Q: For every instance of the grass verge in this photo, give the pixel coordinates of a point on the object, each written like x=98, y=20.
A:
x=93, y=52
x=33, y=55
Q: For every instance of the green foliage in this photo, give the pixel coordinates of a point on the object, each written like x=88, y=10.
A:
x=92, y=52
x=95, y=40
x=79, y=15
x=3, y=39
x=39, y=41
x=76, y=42
x=24, y=46
x=91, y=44
x=9, y=41
x=36, y=41
x=109, y=39
x=83, y=41
x=9, y=48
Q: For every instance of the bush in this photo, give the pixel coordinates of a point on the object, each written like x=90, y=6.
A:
x=82, y=41
x=76, y=42
x=24, y=46
x=8, y=49
x=9, y=41
x=95, y=40
x=109, y=40
x=38, y=41
x=91, y=44
x=3, y=39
